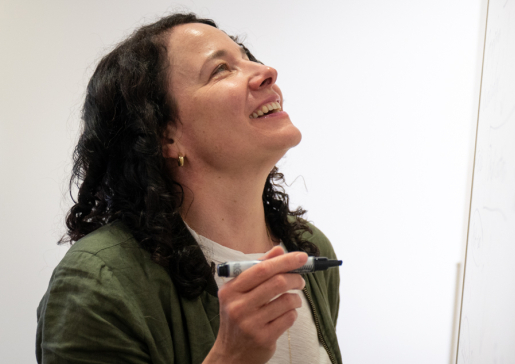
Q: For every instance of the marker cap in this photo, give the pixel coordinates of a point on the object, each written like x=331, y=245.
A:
x=223, y=270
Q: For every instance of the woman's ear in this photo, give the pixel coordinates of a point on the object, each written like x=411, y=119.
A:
x=169, y=145
x=168, y=148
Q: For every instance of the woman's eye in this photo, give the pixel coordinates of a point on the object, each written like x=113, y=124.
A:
x=222, y=67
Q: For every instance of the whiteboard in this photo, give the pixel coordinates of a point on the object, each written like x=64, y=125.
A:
x=487, y=325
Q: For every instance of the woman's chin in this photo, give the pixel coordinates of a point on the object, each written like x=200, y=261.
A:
x=293, y=136
x=298, y=137
x=290, y=140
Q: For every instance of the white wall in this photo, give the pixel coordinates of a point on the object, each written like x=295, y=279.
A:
x=487, y=328
x=385, y=93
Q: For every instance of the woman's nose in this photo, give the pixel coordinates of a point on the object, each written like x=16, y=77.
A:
x=264, y=76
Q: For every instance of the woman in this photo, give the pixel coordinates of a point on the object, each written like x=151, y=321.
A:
x=175, y=169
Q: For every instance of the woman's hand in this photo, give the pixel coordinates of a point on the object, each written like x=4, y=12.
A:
x=250, y=322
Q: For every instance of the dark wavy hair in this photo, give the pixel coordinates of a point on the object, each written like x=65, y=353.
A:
x=120, y=171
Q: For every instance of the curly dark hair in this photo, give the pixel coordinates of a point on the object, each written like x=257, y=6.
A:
x=120, y=171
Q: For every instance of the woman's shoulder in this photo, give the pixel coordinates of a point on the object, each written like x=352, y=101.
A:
x=318, y=238
x=109, y=286
x=108, y=236
x=112, y=243
x=110, y=253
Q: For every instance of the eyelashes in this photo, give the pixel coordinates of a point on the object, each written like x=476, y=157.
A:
x=220, y=68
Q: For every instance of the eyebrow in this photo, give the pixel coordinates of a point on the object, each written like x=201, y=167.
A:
x=222, y=53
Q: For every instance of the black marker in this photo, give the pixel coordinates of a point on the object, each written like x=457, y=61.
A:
x=314, y=264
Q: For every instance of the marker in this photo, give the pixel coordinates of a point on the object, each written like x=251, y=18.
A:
x=314, y=264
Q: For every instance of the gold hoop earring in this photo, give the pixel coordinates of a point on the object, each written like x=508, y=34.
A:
x=180, y=160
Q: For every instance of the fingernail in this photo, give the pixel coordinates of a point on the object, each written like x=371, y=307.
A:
x=302, y=257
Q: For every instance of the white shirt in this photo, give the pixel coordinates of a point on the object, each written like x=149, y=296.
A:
x=301, y=339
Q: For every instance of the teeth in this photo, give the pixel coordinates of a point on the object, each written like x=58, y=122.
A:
x=265, y=109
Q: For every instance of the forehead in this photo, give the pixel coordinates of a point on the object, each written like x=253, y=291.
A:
x=193, y=43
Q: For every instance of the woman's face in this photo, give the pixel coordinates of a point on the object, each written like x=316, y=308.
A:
x=217, y=90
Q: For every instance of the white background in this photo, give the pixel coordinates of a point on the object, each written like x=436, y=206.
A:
x=385, y=94
x=487, y=330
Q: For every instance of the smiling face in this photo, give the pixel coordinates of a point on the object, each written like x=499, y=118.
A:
x=220, y=95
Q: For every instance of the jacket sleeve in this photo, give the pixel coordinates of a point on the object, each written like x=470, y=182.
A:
x=332, y=276
x=85, y=317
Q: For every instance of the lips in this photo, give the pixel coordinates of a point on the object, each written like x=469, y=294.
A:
x=265, y=109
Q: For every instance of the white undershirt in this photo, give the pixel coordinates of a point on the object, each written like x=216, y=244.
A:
x=305, y=346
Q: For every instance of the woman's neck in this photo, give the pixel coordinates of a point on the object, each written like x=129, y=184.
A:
x=228, y=210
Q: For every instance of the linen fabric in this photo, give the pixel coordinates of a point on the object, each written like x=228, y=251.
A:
x=108, y=302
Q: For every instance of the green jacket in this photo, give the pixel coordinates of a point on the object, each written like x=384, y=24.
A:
x=108, y=302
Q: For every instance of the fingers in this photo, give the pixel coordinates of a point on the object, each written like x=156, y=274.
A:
x=276, y=286
x=276, y=327
x=262, y=272
x=281, y=305
x=274, y=252
x=275, y=318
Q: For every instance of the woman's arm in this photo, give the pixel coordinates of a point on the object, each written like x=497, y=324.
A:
x=85, y=317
